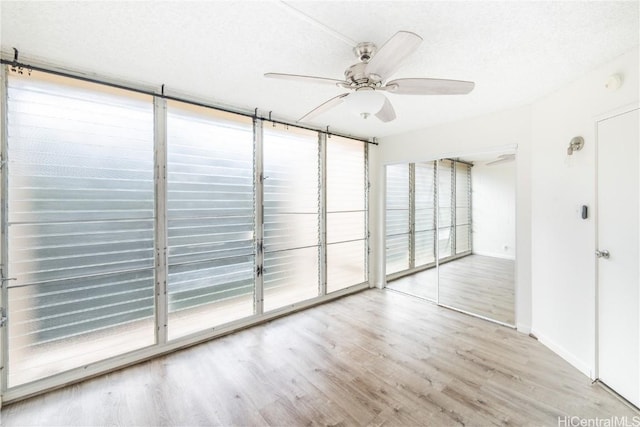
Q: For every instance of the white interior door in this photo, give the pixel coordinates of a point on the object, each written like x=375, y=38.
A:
x=619, y=272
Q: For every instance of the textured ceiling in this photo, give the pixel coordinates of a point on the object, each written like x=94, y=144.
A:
x=515, y=51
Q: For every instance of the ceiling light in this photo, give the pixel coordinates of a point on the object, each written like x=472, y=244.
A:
x=365, y=102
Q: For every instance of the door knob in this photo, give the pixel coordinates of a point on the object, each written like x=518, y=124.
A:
x=603, y=254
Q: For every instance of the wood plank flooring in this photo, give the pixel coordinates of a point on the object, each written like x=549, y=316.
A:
x=477, y=284
x=423, y=284
x=33, y=362
x=374, y=358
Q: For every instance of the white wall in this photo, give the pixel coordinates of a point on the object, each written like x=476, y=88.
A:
x=493, y=132
x=493, y=213
x=555, y=266
x=563, y=244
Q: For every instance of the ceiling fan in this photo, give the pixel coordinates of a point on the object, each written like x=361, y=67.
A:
x=502, y=158
x=369, y=78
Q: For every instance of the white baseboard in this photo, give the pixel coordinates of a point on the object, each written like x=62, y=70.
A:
x=564, y=353
x=495, y=255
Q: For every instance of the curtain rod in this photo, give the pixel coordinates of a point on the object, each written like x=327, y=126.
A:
x=173, y=98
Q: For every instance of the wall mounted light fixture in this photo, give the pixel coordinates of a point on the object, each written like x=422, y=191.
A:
x=576, y=144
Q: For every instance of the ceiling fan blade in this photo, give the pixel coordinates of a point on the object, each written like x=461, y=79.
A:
x=386, y=113
x=389, y=57
x=323, y=107
x=308, y=79
x=503, y=158
x=429, y=87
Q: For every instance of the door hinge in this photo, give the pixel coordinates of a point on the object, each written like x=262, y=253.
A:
x=3, y=317
x=259, y=270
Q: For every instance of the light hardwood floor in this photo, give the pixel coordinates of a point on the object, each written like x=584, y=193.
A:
x=373, y=358
x=477, y=284
x=33, y=362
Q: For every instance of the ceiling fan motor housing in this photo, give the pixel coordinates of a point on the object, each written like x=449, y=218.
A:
x=365, y=51
x=357, y=75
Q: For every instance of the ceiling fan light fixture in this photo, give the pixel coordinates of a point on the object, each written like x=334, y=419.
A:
x=364, y=80
x=365, y=102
